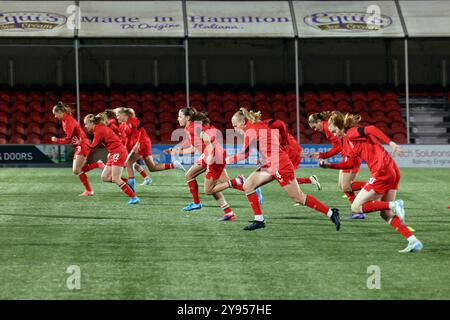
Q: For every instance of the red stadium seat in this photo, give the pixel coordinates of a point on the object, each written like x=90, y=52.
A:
x=19, y=106
x=3, y=129
x=50, y=128
x=310, y=96
x=112, y=105
x=100, y=106
x=166, y=117
x=34, y=117
x=261, y=96
x=358, y=96
x=85, y=106
x=180, y=95
x=278, y=96
x=3, y=139
x=85, y=96
x=135, y=105
x=229, y=105
x=68, y=97
x=374, y=95
x=376, y=105
x=341, y=96
x=37, y=96
x=390, y=95
x=33, y=128
x=5, y=96
x=20, y=96
x=4, y=107
x=17, y=139
x=117, y=95
x=182, y=103
x=229, y=96
x=214, y=105
x=166, y=96
x=148, y=96
x=245, y=96
x=326, y=95
x=312, y=106
x=18, y=117
x=197, y=104
x=213, y=96
x=216, y=117
x=344, y=106
x=148, y=105
x=291, y=96
x=327, y=105
x=395, y=116
x=400, y=138
x=245, y=104
x=132, y=96
x=149, y=115
x=391, y=105
x=51, y=95
x=166, y=105
x=99, y=96
x=36, y=106
x=316, y=137
x=196, y=96
x=359, y=106
x=33, y=139
x=263, y=106
x=278, y=105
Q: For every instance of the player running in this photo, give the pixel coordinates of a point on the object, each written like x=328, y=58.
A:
x=73, y=130
x=319, y=122
x=293, y=149
x=276, y=165
x=117, y=153
x=114, y=125
x=139, y=144
x=379, y=193
x=203, y=137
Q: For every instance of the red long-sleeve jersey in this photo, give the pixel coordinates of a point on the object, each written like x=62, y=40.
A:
x=363, y=142
x=106, y=136
x=194, y=131
x=259, y=135
x=336, y=146
x=72, y=129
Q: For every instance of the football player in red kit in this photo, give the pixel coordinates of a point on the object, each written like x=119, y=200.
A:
x=201, y=136
x=138, y=139
x=276, y=165
x=379, y=193
x=72, y=129
x=293, y=149
x=319, y=122
x=117, y=152
x=112, y=122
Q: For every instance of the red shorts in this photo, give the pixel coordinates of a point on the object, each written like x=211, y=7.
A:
x=355, y=168
x=285, y=172
x=214, y=171
x=294, y=154
x=384, y=182
x=117, y=158
x=145, y=148
x=81, y=150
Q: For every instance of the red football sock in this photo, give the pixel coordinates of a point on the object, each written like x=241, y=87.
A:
x=254, y=203
x=124, y=179
x=143, y=173
x=127, y=190
x=350, y=196
x=168, y=166
x=193, y=188
x=315, y=204
x=400, y=227
x=85, y=181
x=375, y=206
x=303, y=180
x=358, y=185
x=88, y=167
x=226, y=208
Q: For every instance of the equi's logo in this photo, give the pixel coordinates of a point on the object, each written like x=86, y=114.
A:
x=348, y=21
x=24, y=21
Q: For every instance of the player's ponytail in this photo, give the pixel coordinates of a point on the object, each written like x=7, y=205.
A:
x=251, y=116
x=195, y=115
x=61, y=107
x=127, y=111
x=109, y=114
x=322, y=116
x=100, y=119
x=343, y=122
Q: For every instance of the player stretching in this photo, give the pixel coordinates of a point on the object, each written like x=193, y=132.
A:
x=275, y=166
x=73, y=130
x=117, y=153
x=114, y=125
x=319, y=122
x=379, y=193
x=137, y=136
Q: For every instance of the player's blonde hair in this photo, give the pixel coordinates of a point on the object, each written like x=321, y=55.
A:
x=252, y=116
x=128, y=111
x=319, y=116
x=95, y=119
x=61, y=107
x=109, y=114
x=343, y=122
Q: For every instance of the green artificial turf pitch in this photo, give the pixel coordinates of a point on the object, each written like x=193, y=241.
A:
x=156, y=251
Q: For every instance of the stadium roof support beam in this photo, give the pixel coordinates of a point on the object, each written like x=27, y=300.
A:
x=297, y=77
x=407, y=92
x=77, y=59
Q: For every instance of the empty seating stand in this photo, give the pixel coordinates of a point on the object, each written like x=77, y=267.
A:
x=25, y=116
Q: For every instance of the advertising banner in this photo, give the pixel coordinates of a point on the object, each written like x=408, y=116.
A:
x=426, y=18
x=239, y=19
x=32, y=154
x=318, y=19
